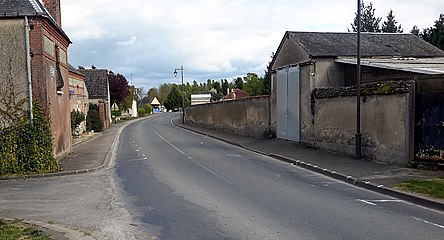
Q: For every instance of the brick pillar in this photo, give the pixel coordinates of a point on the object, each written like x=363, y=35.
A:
x=53, y=7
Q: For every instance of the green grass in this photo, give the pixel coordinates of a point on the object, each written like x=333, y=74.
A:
x=429, y=187
x=15, y=230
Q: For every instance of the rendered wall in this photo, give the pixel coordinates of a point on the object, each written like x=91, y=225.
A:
x=247, y=117
x=386, y=125
x=13, y=72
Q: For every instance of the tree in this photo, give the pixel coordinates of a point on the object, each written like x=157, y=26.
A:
x=195, y=88
x=209, y=85
x=390, y=26
x=437, y=33
x=253, y=85
x=174, y=99
x=217, y=87
x=118, y=87
x=153, y=92
x=415, y=31
x=164, y=90
x=224, y=87
x=266, y=80
x=128, y=101
x=239, y=83
x=139, y=93
x=369, y=23
x=433, y=35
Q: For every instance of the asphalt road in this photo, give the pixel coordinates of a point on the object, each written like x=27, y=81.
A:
x=169, y=183
x=180, y=185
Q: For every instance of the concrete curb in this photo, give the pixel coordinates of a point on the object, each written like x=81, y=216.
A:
x=105, y=164
x=408, y=197
x=67, y=232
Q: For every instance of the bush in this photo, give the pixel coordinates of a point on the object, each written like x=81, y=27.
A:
x=93, y=121
x=142, y=112
x=148, y=108
x=27, y=148
x=116, y=113
x=77, y=117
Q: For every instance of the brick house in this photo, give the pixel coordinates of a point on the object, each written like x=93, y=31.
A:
x=78, y=94
x=96, y=81
x=48, y=44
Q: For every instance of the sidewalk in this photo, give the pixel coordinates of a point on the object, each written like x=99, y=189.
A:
x=369, y=174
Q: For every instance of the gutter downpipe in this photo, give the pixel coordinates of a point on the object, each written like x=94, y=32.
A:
x=28, y=68
x=358, y=135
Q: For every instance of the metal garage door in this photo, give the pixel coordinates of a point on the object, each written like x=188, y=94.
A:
x=429, y=131
x=288, y=104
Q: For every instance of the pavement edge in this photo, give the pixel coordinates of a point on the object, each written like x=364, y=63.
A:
x=408, y=197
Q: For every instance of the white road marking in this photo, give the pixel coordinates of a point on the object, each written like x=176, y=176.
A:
x=135, y=159
x=367, y=202
x=373, y=202
x=234, y=155
x=195, y=161
x=431, y=223
x=389, y=200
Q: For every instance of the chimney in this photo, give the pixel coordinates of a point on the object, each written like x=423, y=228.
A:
x=53, y=7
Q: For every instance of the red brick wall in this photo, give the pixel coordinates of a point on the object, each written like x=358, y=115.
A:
x=53, y=7
x=104, y=113
x=45, y=86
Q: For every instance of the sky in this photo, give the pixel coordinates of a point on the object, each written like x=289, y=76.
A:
x=145, y=40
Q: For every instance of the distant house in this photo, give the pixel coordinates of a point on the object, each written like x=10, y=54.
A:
x=200, y=99
x=235, y=94
x=78, y=94
x=314, y=94
x=96, y=81
x=153, y=101
x=31, y=32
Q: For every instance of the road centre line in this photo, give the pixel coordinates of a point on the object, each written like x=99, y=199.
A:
x=373, y=202
x=189, y=157
x=367, y=202
x=425, y=221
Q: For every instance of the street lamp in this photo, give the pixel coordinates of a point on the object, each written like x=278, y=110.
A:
x=358, y=135
x=183, y=105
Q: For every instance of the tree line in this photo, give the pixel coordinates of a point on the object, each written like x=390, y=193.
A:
x=170, y=94
x=371, y=23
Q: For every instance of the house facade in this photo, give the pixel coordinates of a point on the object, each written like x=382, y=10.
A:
x=235, y=94
x=314, y=91
x=197, y=99
x=30, y=26
x=78, y=94
x=96, y=81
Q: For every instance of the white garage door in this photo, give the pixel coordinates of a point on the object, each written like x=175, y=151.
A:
x=288, y=104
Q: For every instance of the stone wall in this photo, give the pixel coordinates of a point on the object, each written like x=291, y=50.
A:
x=247, y=116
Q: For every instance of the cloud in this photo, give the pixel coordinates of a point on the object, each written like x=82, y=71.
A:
x=214, y=39
x=128, y=42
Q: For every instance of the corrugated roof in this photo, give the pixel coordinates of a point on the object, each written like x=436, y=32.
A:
x=323, y=44
x=429, y=66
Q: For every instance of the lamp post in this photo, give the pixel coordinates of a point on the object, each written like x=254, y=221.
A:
x=358, y=135
x=183, y=105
